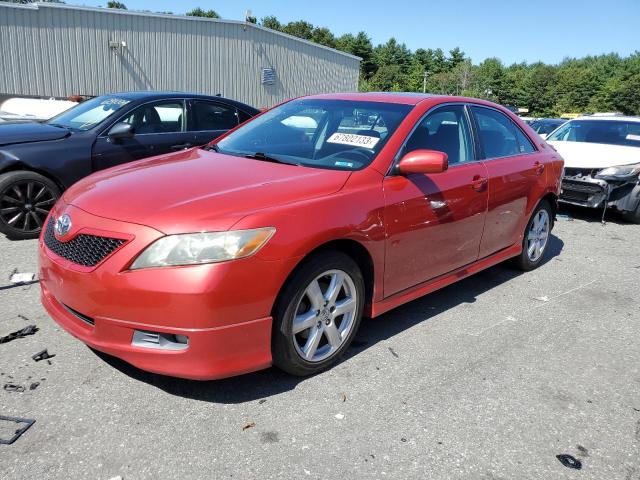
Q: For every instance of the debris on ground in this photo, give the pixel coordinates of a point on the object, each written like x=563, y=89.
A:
x=26, y=423
x=43, y=355
x=569, y=461
x=19, y=278
x=393, y=352
x=248, y=426
x=261, y=401
x=34, y=385
x=564, y=216
x=343, y=397
x=28, y=330
x=583, y=451
x=339, y=416
x=13, y=387
x=23, y=317
x=542, y=299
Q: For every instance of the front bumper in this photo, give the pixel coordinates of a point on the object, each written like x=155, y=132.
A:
x=587, y=191
x=223, y=309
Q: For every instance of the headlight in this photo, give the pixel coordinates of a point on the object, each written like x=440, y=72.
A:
x=207, y=247
x=621, y=172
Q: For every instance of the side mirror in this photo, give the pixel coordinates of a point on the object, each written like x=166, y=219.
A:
x=423, y=161
x=121, y=130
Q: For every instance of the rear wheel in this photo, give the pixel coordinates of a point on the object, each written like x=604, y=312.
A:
x=25, y=201
x=318, y=313
x=536, y=237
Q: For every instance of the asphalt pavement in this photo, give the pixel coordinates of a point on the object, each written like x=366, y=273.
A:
x=491, y=378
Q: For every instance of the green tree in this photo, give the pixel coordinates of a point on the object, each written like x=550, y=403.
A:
x=271, y=22
x=323, y=36
x=300, y=29
x=360, y=46
x=198, y=12
x=116, y=5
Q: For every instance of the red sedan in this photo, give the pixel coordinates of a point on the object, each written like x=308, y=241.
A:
x=269, y=246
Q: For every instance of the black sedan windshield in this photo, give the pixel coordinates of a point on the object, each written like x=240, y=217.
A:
x=90, y=113
x=611, y=132
x=331, y=134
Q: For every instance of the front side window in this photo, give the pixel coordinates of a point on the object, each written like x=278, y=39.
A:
x=445, y=130
x=331, y=134
x=499, y=136
x=212, y=116
x=158, y=117
x=611, y=132
x=87, y=115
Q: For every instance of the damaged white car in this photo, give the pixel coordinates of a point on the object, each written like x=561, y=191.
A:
x=602, y=162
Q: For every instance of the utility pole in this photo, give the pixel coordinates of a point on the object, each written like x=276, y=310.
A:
x=424, y=81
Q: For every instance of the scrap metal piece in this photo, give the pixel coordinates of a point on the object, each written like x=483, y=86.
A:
x=26, y=425
x=43, y=355
x=569, y=461
x=12, y=387
x=28, y=330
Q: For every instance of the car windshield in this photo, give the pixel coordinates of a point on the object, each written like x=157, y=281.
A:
x=330, y=134
x=88, y=114
x=611, y=132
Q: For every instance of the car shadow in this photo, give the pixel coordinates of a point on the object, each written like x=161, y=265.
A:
x=265, y=383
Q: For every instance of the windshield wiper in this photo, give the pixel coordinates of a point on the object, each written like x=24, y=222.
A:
x=266, y=158
x=210, y=147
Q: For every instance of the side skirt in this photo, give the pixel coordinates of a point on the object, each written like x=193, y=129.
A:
x=437, y=283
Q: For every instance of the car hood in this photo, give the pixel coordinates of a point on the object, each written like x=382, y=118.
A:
x=30, y=132
x=197, y=190
x=595, y=155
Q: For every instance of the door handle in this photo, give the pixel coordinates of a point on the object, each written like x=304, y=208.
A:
x=539, y=167
x=478, y=183
x=181, y=146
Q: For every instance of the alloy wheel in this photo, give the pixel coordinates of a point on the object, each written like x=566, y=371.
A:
x=325, y=315
x=25, y=204
x=538, y=235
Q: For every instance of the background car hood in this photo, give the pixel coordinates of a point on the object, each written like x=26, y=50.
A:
x=30, y=132
x=197, y=190
x=595, y=155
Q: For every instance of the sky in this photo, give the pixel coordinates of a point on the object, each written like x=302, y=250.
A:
x=514, y=31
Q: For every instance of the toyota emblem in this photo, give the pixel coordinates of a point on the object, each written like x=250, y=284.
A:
x=62, y=225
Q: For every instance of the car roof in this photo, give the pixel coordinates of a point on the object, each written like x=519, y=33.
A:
x=403, y=98
x=609, y=118
x=159, y=95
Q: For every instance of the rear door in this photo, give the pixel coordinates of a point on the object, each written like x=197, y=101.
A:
x=159, y=128
x=434, y=222
x=516, y=171
x=208, y=119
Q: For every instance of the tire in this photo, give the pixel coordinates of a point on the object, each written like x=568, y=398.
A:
x=632, y=217
x=332, y=332
x=25, y=201
x=528, y=261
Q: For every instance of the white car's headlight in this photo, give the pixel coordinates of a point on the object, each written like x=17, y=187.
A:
x=207, y=247
x=621, y=172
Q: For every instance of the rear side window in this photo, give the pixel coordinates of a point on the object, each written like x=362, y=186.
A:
x=213, y=116
x=499, y=136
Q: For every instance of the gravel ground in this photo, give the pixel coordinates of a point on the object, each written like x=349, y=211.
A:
x=487, y=379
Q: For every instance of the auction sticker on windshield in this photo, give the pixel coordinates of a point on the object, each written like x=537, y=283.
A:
x=353, y=140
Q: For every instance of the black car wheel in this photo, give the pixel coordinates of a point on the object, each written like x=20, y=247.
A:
x=25, y=201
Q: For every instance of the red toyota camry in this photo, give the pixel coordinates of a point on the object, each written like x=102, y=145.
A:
x=269, y=246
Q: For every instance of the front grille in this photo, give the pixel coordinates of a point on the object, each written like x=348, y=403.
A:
x=588, y=188
x=86, y=250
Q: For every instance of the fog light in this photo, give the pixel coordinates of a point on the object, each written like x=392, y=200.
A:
x=157, y=340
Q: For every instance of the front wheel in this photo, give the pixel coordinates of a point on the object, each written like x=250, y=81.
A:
x=25, y=201
x=318, y=313
x=536, y=237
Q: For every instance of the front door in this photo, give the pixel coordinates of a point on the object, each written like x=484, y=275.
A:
x=159, y=127
x=434, y=222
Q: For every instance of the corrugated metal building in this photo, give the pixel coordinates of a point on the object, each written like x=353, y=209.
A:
x=58, y=50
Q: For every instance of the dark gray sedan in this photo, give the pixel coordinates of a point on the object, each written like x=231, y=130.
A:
x=38, y=161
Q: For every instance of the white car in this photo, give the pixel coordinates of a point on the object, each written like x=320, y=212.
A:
x=602, y=162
